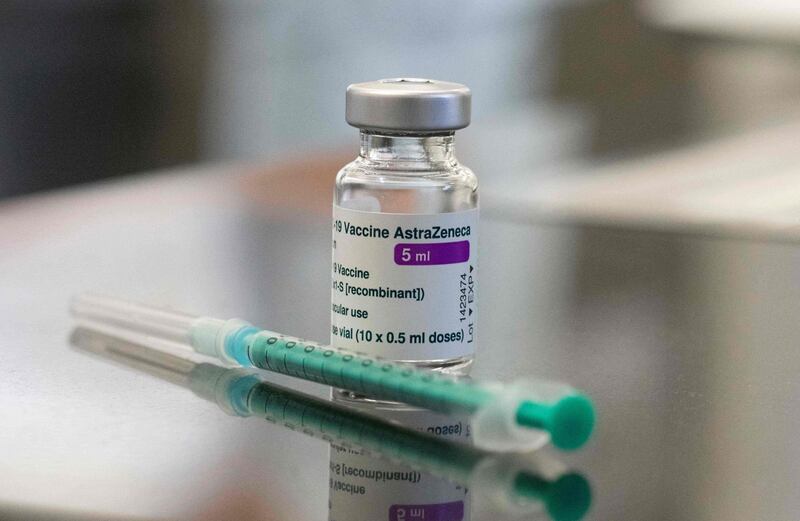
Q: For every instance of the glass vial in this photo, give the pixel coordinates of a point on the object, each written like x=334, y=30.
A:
x=405, y=225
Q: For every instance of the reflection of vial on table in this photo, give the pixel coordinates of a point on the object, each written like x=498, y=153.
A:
x=405, y=224
x=364, y=487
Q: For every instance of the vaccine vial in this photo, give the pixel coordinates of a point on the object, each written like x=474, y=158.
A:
x=405, y=228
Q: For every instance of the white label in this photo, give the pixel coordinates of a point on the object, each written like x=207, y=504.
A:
x=404, y=284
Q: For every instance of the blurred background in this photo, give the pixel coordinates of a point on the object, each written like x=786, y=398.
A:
x=96, y=89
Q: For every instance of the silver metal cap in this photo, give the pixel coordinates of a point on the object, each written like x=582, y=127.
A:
x=408, y=105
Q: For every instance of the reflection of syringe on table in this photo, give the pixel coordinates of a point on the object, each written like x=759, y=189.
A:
x=365, y=487
x=521, y=482
x=521, y=416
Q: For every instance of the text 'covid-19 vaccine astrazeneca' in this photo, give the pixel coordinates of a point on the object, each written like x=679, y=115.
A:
x=405, y=228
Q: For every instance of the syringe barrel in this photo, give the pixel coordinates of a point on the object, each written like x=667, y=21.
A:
x=132, y=321
x=371, y=376
x=522, y=416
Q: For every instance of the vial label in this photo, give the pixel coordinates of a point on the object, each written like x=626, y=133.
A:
x=404, y=285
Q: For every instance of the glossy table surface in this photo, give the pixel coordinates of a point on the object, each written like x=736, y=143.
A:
x=687, y=344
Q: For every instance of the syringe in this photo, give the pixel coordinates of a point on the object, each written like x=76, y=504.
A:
x=520, y=416
x=522, y=484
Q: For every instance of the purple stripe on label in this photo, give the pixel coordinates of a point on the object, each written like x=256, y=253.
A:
x=415, y=254
x=436, y=512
